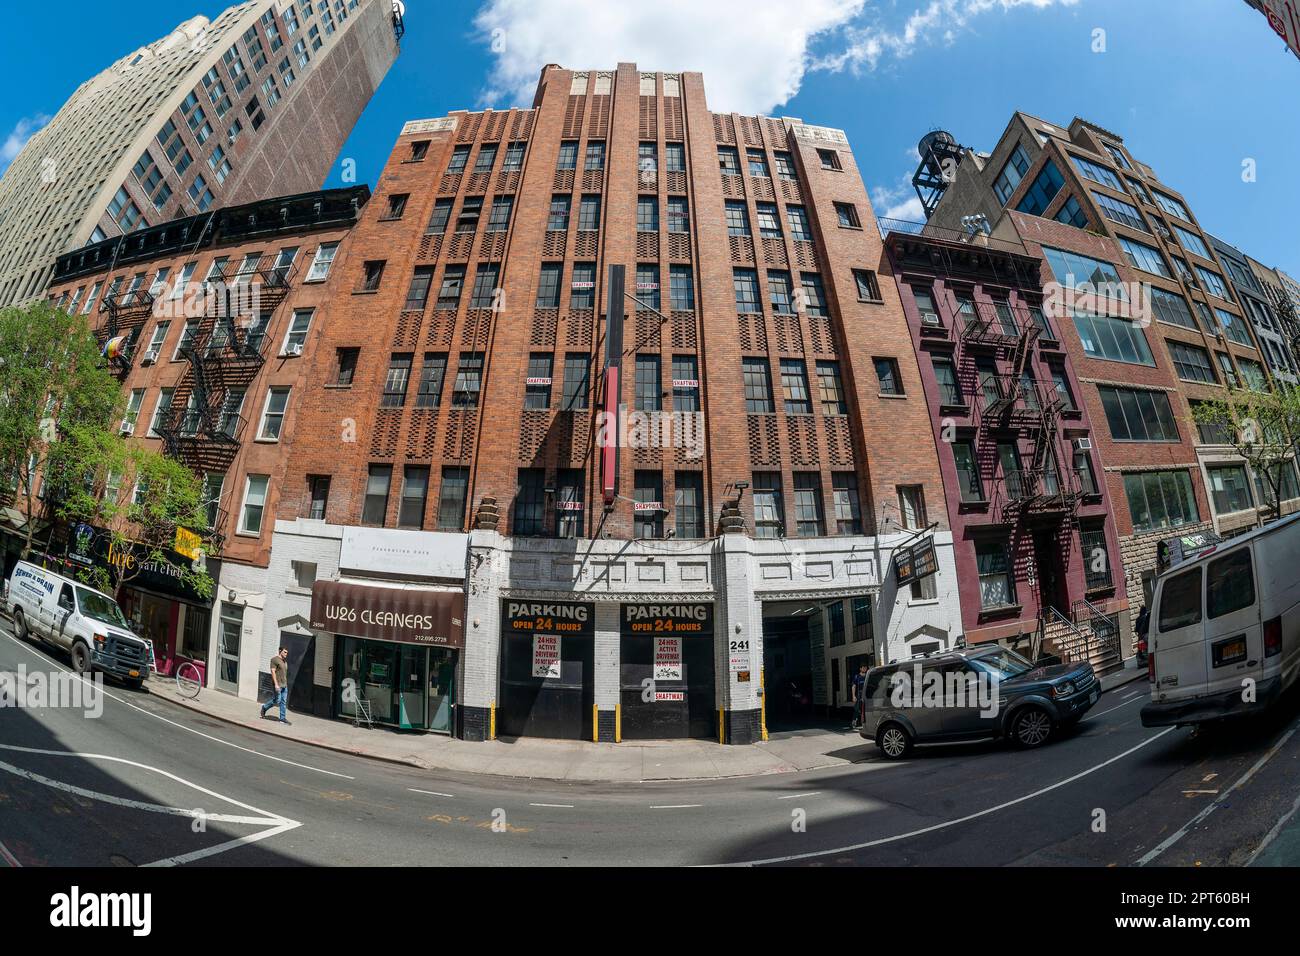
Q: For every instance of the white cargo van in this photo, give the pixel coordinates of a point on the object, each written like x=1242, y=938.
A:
x=1225, y=628
x=86, y=623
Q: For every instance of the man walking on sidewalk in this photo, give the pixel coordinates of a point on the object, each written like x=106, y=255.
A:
x=858, y=686
x=280, y=678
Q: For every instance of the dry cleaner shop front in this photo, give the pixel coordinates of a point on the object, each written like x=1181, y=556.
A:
x=395, y=651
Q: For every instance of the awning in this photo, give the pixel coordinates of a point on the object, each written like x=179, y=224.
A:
x=406, y=615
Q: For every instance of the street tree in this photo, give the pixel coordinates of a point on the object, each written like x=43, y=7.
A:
x=1263, y=427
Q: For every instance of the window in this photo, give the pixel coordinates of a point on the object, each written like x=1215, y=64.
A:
x=911, y=507
x=829, y=159
x=432, y=374
x=514, y=157
x=1117, y=210
x=809, y=521
x=1180, y=601
x=1097, y=173
x=372, y=275
x=757, y=163
x=681, y=288
x=577, y=371
x=1213, y=283
x=459, y=157
x=567, y=158
x=396, y=205
x=1212, y=432
x=729, y=160
x=1042, y=191
x=499, y=218
x=537, y=384
x=1113, y=339
x=1144, y=257
x=1072, y=270
x=133, y=405
x=794, y=387
x=848, y=510
x=417, y=295
x=769, y=509
x=1234, y=327
x=415, y=494
x=675, y=157
x=320, y=265
x=569, y=491
x=399, y=373
x=277, y=400
x=945, y=375
x=887, y=373
x=318, y=487
x=647, y=214
x=737, y=218
x=688, y=504
x=847, y=215
x=678, y=216
x=758, y=386
x=869, y=288
x=1229, y=372
x=160, y=410
x=745, y=282
x=1071, y=213
x=439, y=218
x=548, y=285
x=375, y=505
x=1014, y=170
x=1083, y=468
x=997, y=586
x=647, y=286
x=797, y=216
x=469, y=377
x=1138, y=415
x=124, y=212
x=785, y=166
x=1192, y=363
x=453, y=281
x=1281, y=474
x=1160, y=499
x=769, y=221
x=1229, y=488
x=1096, y=558
x=647, y=508
x=558, y=218
x=1229, y=584
x=470, y=210
x=486, y=159
x=1252, y=373
x=830, y=389
x=778, y=291
x=648, y=387
x=589, y=212
x=968, y=475
x=1171, y=307
x=686, y=384
x=1192, y=242
x=647, y=160
x=452, y=495
x=814, y=296
x=485, y=285
x=250, y=522
x=582, y=293
x=595, y=159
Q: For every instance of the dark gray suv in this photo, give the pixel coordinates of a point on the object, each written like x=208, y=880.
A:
x=972, y=694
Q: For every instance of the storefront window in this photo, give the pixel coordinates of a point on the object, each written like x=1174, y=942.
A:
x=194, y=639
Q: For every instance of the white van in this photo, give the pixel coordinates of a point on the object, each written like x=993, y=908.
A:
x=1225, y=628
x=86, y=623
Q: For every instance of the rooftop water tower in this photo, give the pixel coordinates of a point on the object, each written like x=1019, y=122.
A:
x=940, y=155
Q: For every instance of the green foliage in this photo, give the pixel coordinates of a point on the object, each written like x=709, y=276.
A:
x=1262, y=427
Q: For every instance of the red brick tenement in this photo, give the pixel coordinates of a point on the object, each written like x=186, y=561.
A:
x=468, y=312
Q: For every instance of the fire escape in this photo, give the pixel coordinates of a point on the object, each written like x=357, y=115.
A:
x=125, y=314
x=225, y=351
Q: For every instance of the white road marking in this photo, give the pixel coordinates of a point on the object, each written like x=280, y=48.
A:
x=678, y=806
x=1192, y=793
x=1215, y=804
x=794, y=796
x=1268, y=837
x=951, y=823
x=256, y=753
x=1103, y=713
x=554, y=806
x=432, y=793
x=9, y=858
x=277, y=823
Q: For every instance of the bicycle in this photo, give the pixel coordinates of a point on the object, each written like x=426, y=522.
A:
x=189, y=681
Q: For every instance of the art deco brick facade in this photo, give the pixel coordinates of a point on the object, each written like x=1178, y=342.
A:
x=462, y=281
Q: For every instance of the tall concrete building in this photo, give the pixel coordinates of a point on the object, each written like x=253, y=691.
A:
x=251, y=105
x=1148, y=315
x=1254, y=300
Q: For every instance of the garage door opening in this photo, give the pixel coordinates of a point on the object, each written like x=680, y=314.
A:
x=792, y=657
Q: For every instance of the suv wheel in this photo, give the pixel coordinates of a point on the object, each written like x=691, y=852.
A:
x=20, y=625
x=1031, y=727
x=894, y=741
x=80, y=657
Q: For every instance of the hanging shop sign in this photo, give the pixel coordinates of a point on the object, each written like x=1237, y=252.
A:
x=916, y=562
x=404, y=615
x=131, y=563
x=549, y=617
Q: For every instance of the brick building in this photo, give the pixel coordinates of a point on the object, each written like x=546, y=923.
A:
x=778, y=448
x=1168, y=333
x=217, y=112
x=208, y=321
x=1030, y=511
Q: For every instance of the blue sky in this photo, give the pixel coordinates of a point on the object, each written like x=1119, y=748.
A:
x=1196, y=87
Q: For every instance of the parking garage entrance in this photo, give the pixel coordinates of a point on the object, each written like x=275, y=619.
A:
x=794, y=664
x=667, y=687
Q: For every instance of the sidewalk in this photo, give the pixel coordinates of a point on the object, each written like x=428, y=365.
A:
x=570, y=760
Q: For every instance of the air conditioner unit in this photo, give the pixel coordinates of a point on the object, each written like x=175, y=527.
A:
x=931, y=319
x=293, y=348
x=150, y=357
x=127, y=427
x=1083, y=444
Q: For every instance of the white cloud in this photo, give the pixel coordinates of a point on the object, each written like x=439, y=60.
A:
x=754, y=54
x=23, y=130
x=898, y=201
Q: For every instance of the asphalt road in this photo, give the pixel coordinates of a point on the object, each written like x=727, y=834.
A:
x=149, y=783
